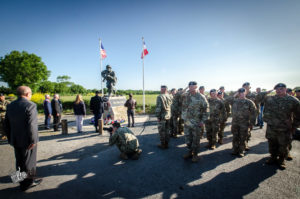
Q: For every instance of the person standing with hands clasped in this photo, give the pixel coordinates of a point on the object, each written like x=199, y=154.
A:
x=80, y=112
x=130, y=104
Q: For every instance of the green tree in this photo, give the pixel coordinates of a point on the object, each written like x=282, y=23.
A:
x=46, y=87
x=77, y=89
x=61, y=88
x=22, y=68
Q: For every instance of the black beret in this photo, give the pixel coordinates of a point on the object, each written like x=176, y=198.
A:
x=192, y=83
x=163, y=86
x=108, y=66
x=246, y=84
x=221, y=87
x=297, y=90
x=241, y=90
x=201, y=87
x=289, y=90
x=280, y=85
x=212, y=90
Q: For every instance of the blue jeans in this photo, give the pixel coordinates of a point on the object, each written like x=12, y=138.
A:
x=259, y=119
x=47, y=121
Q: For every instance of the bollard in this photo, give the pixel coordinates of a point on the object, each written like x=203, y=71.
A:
x=64, y=127
x=100, y=124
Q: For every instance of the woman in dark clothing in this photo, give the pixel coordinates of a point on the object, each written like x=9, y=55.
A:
x=79, y=111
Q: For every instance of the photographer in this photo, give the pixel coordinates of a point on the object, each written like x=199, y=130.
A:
x=125, y=140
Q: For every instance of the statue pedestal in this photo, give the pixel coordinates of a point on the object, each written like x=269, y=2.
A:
x=114, y=109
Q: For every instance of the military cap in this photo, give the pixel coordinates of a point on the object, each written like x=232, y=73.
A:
x=241, y=90
x=246, y=84
x=173, y=89
x=192, y=83
x=180, y=89
x=163, y=86
x=289, y=90
x=108, y=66
x=280, y=85
x=1, y=94
x=220, y=93
x=221, y=87
x=297, y=90
x=212, y=90
x=201, y=87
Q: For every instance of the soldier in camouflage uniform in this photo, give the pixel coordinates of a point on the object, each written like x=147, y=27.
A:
x=163, y=114
x=223, y=122
x=222, y=89
x=297, y=94
x=282, y=115
x=195, y=112
x=3, y=104
x=251, y=96
x=217, y=114
x=243, y=119
x=126, y=141
x=173, y=130
x=202, y=90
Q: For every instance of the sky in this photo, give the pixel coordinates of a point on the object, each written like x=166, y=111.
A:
x=216, y=42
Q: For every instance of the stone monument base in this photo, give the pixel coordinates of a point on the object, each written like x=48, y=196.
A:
x=114, y=109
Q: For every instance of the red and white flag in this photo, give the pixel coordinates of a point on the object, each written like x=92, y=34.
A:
x=102, y=52
x=145, y=51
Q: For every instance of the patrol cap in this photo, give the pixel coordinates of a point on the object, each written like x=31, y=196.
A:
x=221, y=87
x=241, y=90
x=1, y=94
x=280, y=85
x=201, y=87
x=192, y=83
x=212, y=90
x=246, y=84
x=108, y=66
x=289, y=90
x=297, y=90
x=163, y=86
x=220, y=93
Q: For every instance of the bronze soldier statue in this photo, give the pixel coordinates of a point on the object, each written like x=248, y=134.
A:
x=110, y=78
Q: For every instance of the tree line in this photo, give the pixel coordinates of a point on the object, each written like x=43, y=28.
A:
x=22, y=68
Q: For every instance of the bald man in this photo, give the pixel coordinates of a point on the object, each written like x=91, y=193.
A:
x=22, y=133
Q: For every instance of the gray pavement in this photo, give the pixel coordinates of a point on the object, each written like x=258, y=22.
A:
x=84, y=166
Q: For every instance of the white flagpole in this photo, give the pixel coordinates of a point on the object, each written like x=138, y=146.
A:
x=101, y=68
x=143, y=79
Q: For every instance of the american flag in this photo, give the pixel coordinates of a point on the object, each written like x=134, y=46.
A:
x=145, y=51
x=102, y=52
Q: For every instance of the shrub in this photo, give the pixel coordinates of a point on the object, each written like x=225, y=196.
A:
x=38, y=98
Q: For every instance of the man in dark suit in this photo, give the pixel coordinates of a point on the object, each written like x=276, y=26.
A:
x=96, y=106
x=47, y=111
x=56, y=111
x=22, y=133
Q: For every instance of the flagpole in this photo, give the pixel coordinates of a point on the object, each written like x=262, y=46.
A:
x=101, y=68
x=143, y=78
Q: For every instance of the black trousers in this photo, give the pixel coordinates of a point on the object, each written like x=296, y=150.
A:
x=56, y=122
x=26, y=160
x=130, y=113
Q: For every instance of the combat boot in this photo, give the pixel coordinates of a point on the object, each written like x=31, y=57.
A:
x=220, y=141
x=195, y=157
x=162, y=146
x=136, y=155
x=188, y=155
x=247, y=147
x=281, y=163
x=123, y=156
x=213, y=147
x=271, y=160
x=289, y=157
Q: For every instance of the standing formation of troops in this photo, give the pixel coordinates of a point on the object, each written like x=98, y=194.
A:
x=191, y=111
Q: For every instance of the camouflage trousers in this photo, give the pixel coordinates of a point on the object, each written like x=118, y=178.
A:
x=2, y=132
x=202, y=130
x=192, y=138
x=129, y=147
x=279, y=141
x=163, y=130
x=212, y=128
x=240, y=135
x=180, y=125
x=221, y=129
x=173, y=124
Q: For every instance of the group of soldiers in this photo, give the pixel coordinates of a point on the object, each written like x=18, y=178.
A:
x=189, y=111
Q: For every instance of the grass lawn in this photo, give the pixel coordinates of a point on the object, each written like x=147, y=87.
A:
x=149, y=99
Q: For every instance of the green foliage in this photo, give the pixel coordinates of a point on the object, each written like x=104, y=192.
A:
x=77, y=89
x=6, y=90
x=22, y=68
x=61, y=88
x=46, y=87
x=63, y=78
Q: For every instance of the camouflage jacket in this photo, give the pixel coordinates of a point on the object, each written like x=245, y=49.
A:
x=227, y=107
x=125, y=140
x=163, y=107
x=282, y=112
x=3, y=106
x=243, y=110
x=217, y=111
x=177, y=104
x=195, y=109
